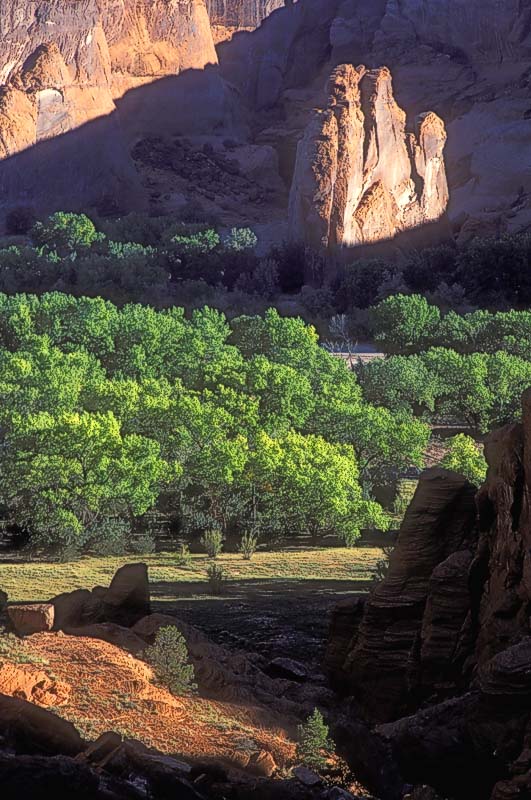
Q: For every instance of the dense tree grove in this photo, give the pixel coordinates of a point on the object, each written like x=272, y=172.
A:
x=107, y=414
x=489, y=271
x=409, y=323
x=190, y=260
x=478, y=376
x=112, y=414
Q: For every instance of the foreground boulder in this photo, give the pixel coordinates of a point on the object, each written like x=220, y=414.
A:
x=442, y=655
x=127, y=599
x=40, y=778
x=125, y=602
x=26, y=728
x=80, y=607
x=31, y=618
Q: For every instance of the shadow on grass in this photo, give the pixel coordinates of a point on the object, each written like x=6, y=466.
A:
x=271, y=617
x=259, y=590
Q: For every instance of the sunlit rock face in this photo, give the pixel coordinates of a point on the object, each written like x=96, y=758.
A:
x=359, y=176
x=71, y=59
x=64, y=67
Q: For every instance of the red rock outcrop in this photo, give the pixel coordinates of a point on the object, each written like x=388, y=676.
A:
x=445, y=638
x=31, y=618
x=359, y=177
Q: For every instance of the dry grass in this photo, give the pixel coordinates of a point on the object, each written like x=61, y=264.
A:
x=40, y=580
x=105, y=688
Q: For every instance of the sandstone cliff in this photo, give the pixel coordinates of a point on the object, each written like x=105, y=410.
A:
x=67, y=63
x=359, y=177
x=241, y=14
x=445, y=637
x=468, y=61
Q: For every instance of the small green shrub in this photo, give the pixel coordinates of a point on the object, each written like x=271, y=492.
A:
x=240, y=239
x=212, y=542
x=125, y=250
x=465, y=457
x=197, y=244
x=168, y=656
x=110, y=537
x=217, y=578
x=16, y=651
x=404, y=495
x=143, y=544
x=381, y=570
x=66, y=233
x=314, y=744
x=248, y=545
x=183, y=557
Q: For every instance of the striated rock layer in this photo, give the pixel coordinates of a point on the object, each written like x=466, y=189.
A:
x=238, y=14
x=359, y=177
x=65, y=62
x=445, y=638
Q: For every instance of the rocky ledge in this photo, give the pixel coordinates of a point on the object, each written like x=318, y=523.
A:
x=437, y=665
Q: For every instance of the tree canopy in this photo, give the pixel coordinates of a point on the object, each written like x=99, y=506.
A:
x=107, y=414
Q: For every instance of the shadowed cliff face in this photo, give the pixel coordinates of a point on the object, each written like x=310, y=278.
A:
x=83, y=80
x=65, y=62
x=467, y=60
x=90, y=167
x=359, y=177
x=445, y=638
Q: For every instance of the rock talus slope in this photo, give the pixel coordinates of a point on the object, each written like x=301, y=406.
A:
x=445, y=638
x=359, y=177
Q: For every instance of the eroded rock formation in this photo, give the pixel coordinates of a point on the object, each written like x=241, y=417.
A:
x=445, y=638
x=359, y=177
x=63, y=63
x=468, y=61
x=238, y=14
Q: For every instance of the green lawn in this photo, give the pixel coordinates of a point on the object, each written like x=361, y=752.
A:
x=41, y=580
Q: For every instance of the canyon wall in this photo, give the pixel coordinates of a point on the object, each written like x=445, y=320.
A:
x=65, y=65
x=467, y=60
x=359, y=177
x=238, y=14
x=121, y=71
x=440, y=655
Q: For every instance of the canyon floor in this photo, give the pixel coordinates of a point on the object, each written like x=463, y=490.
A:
x=260, y=609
